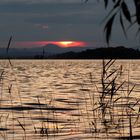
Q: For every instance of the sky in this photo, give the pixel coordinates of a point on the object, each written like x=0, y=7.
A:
x=35, y=23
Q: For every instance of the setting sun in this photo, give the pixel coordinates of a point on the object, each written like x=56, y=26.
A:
x=66, y=43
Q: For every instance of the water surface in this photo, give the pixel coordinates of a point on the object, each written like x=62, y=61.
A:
x=58, y=99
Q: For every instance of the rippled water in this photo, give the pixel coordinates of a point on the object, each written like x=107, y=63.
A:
x=57, y=99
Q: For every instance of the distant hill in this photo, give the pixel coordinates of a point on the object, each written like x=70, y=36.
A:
x=52, y=51
x=55, y=49
x=37, y=52
x=101, y=53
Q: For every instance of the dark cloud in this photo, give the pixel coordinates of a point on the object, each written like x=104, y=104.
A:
x=66, y=19
x=24, y=7
x=51, y=12
x=20, y=18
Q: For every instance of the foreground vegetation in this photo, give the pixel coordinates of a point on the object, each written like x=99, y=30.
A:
x=108, y=111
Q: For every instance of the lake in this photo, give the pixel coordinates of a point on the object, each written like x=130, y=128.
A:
x=69, y=99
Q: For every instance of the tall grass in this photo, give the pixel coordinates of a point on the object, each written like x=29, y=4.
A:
x=111, y=109
x=115, y=105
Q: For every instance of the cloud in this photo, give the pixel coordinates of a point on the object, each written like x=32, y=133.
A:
x=51, y=12
x=45, y=8
x=66, y=19
x=44, y=1
x=44, y=26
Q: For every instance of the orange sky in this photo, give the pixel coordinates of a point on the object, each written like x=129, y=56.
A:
x=64, y=44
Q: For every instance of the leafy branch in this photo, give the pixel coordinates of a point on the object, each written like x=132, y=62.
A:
x=120, y=8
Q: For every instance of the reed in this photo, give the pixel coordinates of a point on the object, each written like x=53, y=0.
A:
x=102, y=112
x=130, y=128
x=34, y=126
x=111, y=95
x=11, y=101
x=23, y=128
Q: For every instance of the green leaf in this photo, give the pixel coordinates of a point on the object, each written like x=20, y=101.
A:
x=106, y=3
x=126, y=12
x=137, y=5
x=122, y=25
x=108, y=28
x=117, y=4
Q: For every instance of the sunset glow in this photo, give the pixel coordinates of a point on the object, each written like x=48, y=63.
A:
x=70, y=44
x=66, y=43
x=63, y=44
